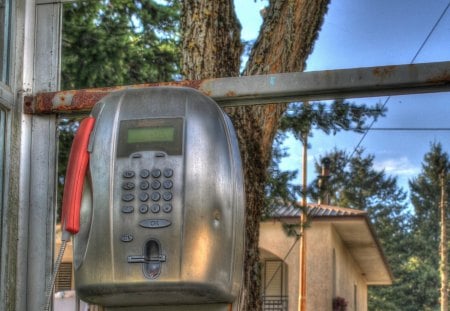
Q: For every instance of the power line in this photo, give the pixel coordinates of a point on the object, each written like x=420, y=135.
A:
x=411, y=62
x=429, y=34
x=408, y=129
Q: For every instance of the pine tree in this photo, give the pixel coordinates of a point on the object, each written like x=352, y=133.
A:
x=425, y=198
x=300, y=120
x=354, y=183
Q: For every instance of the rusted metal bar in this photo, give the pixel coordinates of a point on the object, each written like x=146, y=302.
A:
x=275, y=88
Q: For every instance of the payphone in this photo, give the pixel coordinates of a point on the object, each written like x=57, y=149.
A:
x=162, y=206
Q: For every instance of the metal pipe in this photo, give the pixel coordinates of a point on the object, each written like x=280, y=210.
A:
x=275, y=88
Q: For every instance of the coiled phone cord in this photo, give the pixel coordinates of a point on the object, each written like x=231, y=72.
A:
x=58, y=261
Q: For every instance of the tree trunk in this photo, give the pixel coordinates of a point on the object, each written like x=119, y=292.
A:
x=443, y=249
x=211, y=39
x=212, y=48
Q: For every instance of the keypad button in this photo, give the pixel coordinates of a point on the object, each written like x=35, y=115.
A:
x=128, y=174
x=143, y=208
x=167, y=196
x=128, y=197
x=144, y=173
x=167, y=184
x=155, y=208
x=126, y=238
x=168, y=172
x=128, y=185
x=127, y=209
x=167, y=208
x=156, y=173
x=156, y=185
x=156, y=196
x=144, y=185
x=143, y=197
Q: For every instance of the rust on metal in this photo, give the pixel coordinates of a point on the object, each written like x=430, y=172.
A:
x=83, y=100
x=28, y=104
x=384, y=72
x=230, y=94
x=440, y=79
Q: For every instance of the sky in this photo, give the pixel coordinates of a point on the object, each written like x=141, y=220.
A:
x=365, y=33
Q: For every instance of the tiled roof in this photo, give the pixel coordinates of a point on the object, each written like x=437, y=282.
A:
x=316, y=210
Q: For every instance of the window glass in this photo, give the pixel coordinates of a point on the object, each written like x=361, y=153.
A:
x=5, y=14
x=273, y=282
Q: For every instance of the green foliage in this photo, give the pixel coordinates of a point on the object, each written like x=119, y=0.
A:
x=116, y=42
x=301, y=118
x=425, y=198
x=280, y=189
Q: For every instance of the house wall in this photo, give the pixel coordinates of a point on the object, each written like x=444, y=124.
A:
x=327, y=277
x=350, y=280
x=274, y=240
x=319, y=267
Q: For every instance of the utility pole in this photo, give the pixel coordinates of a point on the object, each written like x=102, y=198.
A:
x=303, y=220
x=443, y=270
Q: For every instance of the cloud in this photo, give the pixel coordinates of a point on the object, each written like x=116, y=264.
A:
x=401, y=166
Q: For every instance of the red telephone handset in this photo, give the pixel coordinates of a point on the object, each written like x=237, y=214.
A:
x=76, y=171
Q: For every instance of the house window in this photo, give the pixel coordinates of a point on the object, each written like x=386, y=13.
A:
x=5, y=22
x=64, y=277
x=274, y=276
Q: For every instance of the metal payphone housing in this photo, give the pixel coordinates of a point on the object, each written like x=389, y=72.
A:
x=162, y=216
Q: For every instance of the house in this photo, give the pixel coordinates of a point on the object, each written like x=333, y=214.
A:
x=341, y=259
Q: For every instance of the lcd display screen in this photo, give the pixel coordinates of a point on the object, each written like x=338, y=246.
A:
x=150, y=134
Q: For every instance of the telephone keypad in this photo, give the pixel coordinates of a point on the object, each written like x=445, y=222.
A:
x=156, y=196
x=127, y=209
x=143, y=209
x=160, y=179
x=143, y=196
x=167, y=196
x=167, y=184
x=128, y=174
x=144, y=173
x=156, y=185
x=128, y=197
x=144, y=185
x=156, y=173
x=167, y=208
x=128, y=185
x=168, y=172
x=155, y=208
